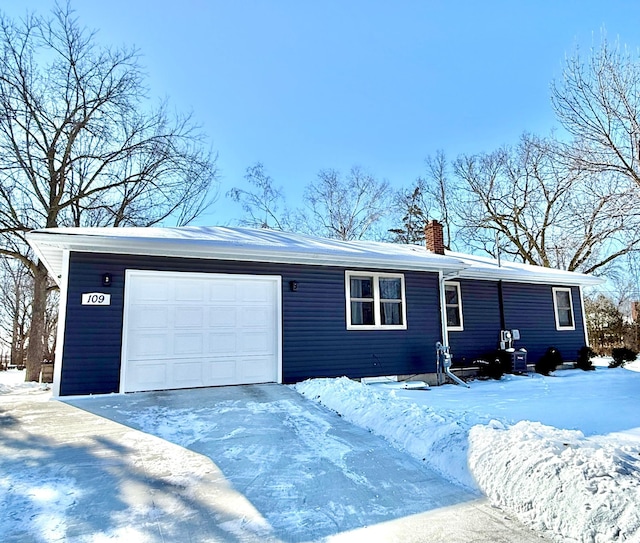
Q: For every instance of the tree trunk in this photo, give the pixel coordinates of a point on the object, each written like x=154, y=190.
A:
x=35, y=349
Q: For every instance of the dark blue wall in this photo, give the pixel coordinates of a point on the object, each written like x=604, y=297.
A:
x=316, y=342
x=481, y=319
x=528, y=308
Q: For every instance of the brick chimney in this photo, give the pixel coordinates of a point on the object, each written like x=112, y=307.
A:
x=434, y=237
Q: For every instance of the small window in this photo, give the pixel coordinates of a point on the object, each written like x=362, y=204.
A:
x=563, y=306
x=453, y=305
x=375, y=301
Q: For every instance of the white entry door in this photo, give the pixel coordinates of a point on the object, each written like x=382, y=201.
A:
x=186, y=330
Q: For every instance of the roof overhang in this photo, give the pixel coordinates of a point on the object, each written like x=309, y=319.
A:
x=254, y=245
x=50, y=247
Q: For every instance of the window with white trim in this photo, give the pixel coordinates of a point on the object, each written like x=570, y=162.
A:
x=375, y=301
x=453, y=305
x=563, y=308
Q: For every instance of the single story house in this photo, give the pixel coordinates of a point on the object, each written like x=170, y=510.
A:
x=165, y=308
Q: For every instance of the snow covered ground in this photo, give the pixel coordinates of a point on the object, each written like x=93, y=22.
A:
x=13, y=387
x=560, y=452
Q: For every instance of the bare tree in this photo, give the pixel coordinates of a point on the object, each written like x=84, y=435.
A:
x=545, y=212
x=598, y=102
x=79, y=145
x=431, y=197
x=443, y=193
x=264, y=205
x=346, y=208
x=15, y=308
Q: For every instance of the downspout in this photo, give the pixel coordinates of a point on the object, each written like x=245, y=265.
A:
x=584, y=318
x=444, y=356
x=503, y=325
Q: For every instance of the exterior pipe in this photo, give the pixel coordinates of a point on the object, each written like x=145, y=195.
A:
x=584, y=318
x=443, y=359
x=447, y=365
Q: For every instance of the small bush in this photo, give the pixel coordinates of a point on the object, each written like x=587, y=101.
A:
x=621, y=356
x=549, y=361
x=585, y=354
x=494, y=365
x=490, y=369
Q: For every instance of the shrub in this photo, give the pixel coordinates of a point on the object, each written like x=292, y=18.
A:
x=494, y=365
x=585, y=354
x=490, y=368
x=549, y=361
x=622, y=355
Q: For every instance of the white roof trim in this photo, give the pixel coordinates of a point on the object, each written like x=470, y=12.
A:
x=246, y=244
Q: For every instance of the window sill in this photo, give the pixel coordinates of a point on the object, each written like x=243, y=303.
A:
x=374, y=327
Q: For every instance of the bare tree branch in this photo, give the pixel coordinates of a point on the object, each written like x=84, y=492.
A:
x=80, y=145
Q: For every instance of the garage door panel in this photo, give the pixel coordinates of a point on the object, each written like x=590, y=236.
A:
x=223, y=316
x=254, y=369
x=187, y=330
x=253, y=292
x=190, y=290
x=221, y=371
x=256, y=317
x=148, y=345
x=152, y=376
x=187, y=373
x=223, y=291
x=188, y=317
x=148, y=316
x=151, y=290
x=188, y=344
x=256, y=342
x=223, y=342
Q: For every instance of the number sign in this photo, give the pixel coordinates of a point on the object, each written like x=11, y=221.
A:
x=96, y=298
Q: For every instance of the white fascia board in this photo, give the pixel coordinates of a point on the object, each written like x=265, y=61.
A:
x=556, y=277
x=44, y=253
x=49, y=243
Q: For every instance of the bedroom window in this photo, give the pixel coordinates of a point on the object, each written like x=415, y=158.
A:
x=563, y=307
x=453, y=304
x=375, y=301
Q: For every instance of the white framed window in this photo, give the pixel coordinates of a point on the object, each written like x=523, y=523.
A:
x=453, y=306
x=563, y=308
x=375, y=301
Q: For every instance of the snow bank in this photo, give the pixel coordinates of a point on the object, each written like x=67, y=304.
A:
x=577, y=488
x=13, y=387
x=582, y=489
x=440, y=438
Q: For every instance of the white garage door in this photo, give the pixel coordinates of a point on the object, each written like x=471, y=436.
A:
x=184, y=330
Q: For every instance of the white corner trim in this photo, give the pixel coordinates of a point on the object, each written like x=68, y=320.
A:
x=63, y=281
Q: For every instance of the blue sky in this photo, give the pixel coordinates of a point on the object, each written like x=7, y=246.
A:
x=302, y=85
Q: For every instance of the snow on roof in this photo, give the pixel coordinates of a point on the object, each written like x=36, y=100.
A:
x=479, y=267
x=264, y=245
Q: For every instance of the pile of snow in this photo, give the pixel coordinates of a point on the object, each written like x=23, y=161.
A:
x=497, y=438
x=13, y=387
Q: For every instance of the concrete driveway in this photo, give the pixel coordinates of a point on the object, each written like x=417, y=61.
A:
x=231, y=464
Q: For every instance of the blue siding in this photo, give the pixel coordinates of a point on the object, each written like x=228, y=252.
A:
x=481, y=320
x=528, y=308
x=316, y=342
